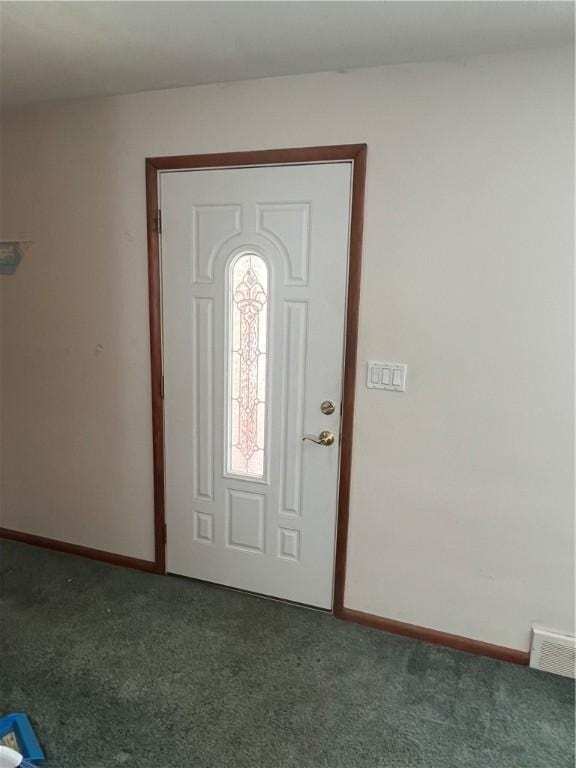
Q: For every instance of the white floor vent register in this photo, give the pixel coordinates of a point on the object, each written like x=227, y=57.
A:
x=553, y=652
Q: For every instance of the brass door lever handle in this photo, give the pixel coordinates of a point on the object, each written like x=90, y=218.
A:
x=324, y=438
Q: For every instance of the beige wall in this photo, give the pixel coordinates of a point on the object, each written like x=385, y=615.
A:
x=462, y=507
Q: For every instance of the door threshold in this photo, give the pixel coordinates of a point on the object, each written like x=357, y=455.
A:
x=329, y=611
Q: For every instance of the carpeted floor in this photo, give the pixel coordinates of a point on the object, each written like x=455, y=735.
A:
x=121, y=668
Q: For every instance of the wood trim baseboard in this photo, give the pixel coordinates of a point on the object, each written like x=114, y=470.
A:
x=456, y=642
x=77, y=549
x=425, y=634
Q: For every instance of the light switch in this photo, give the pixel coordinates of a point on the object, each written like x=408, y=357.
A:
x=375, y=374
x=391, y=376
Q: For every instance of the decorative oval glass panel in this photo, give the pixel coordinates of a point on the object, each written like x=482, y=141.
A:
x=248, y=281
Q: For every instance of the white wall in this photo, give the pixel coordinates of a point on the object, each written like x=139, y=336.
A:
x=2, y=235
x=1, y=401
x=462, y=506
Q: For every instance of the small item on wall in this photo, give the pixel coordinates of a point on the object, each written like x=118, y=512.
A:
x=11, y=252
x=391, y=376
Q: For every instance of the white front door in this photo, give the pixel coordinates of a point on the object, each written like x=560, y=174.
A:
x=254, y=269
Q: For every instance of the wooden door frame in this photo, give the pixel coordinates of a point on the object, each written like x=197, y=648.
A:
x=354, y=153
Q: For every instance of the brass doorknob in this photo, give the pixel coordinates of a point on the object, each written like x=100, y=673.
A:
x=324, y=438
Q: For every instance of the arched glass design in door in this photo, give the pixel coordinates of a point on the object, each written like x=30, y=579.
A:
x=247, y=357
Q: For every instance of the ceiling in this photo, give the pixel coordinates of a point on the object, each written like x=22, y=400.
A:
x=61, y=50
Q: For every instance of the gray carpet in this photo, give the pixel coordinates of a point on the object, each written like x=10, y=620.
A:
x=121, y=668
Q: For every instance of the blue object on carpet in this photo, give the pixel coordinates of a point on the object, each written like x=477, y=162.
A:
x=16, y=732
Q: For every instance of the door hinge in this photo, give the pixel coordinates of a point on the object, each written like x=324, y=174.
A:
x=165, y=532
x=159, y=221
x=162, y=387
